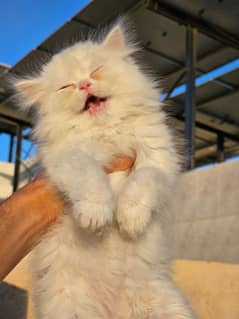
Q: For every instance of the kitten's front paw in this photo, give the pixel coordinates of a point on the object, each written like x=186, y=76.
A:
x=133, y=218
x=93, y=216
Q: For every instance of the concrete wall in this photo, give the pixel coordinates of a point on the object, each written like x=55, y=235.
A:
x=206, y=214
x=28, y=170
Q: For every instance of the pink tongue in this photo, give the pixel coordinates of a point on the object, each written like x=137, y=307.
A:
x=96, y=106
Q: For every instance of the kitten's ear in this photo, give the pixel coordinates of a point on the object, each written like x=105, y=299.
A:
x=115, y=39
x=28, y=90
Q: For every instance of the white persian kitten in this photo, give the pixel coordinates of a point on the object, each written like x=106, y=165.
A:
x=94, y=102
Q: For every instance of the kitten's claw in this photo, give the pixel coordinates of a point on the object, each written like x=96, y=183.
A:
x=133, y=219
x=93, y=216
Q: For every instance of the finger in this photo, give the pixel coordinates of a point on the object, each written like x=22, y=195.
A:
x=120, y=163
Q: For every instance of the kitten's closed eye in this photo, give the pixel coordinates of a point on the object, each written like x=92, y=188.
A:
x=67, y=86
x=95, y=74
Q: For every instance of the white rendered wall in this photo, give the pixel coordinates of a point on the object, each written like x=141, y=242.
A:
x=206, y=214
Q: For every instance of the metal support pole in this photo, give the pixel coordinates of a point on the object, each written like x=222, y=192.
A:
x=220, y=147
x=10, y=148
x=18, y=158
x=190, y=96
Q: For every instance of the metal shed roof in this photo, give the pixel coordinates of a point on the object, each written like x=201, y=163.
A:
x=160, y=27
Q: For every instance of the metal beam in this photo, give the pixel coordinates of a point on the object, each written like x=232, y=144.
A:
x=219, y=123
x=18, y=158
x=216, y=131
x=205, y=151
x=165, y=57
x=175, y=84
x=220, y=147
x=225, y=84
x=213, y=121
x=209, y=29
x=182, y=67
x=200, y=123
x=200, y=134
x=10, y=148
x=234, y=150
x=217, y=97
x=12, y=114
x=211, y=150
x=190, y=97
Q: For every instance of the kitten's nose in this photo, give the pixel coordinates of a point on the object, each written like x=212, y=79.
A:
x=84, y=85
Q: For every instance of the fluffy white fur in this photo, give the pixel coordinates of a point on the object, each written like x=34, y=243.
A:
x=82, y=269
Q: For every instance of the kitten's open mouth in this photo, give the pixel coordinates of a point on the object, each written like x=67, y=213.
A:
x=94, y=103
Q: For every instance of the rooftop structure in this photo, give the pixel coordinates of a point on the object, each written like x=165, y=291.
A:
x=186, y=43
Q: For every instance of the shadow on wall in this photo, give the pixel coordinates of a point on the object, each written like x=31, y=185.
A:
x=13, y=302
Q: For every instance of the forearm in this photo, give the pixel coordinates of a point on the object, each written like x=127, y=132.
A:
x=28, y=213
x=22, y=222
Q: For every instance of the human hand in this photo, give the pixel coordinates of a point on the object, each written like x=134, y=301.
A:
x=27, y=214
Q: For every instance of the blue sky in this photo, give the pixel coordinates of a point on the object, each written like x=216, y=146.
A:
x=24, y=24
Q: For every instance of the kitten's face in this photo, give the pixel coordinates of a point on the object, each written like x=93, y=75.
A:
x=89, y=82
